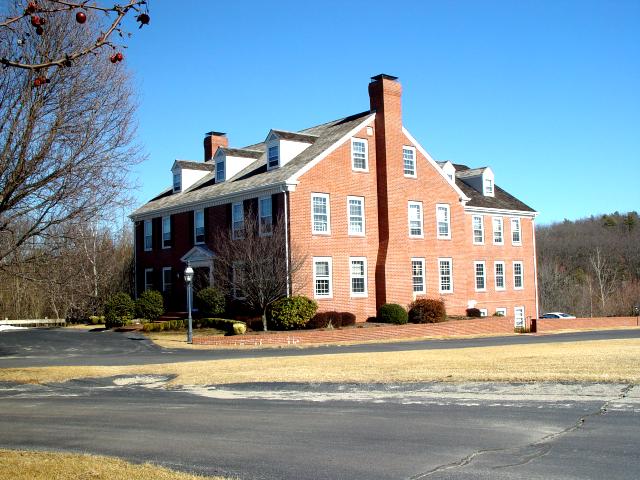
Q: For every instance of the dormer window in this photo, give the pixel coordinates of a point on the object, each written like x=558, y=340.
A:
x=177, y=181
x=220, y=170
x=488, y=186
x=274, y=156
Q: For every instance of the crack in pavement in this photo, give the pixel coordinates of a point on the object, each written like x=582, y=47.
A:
x=541, y=447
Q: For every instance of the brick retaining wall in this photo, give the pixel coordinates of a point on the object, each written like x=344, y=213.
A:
x=552, y=324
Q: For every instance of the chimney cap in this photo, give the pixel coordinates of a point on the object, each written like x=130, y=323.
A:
x=383, y=76
x=216, y=134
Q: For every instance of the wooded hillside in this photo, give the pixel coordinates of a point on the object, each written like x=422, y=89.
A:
x=590, y=267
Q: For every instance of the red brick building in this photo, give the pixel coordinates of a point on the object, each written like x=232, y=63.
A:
x=378, y=219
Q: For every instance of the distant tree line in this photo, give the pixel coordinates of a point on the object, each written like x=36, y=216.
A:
x=590, y=267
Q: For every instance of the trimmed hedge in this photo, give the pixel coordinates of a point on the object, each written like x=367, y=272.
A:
x=118, y=311
x=96, y=320
x=392, y=313
x=292, y=312
x=427, y=310
x=230, y=327
x=473, y=312
x=210, y=301
x=223, y=324
x=333, y=319
x=150, y=305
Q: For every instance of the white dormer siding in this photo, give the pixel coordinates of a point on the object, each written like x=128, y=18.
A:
x=448, y=169
x=282, y=147
x=480, y=179
x=186, y=173
x=231, y=161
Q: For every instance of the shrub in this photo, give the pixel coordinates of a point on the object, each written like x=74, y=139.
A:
x=150, y=305
x=118, y=311
x=224, y=324
x=473, y=312
x=498, y=314
x=210, y=301
x=239, y=328
x=292, y=312
x=333, y=319
x=392, y=313
x=96, y=320
x=427, y=310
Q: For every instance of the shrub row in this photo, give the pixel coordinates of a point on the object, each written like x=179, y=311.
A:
x=230, y=327
x=163, y=326
x=422, y=310
x=332, y=320
x=96, y=319
x=119, y=310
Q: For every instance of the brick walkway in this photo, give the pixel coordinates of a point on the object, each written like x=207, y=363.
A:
x=485, y=326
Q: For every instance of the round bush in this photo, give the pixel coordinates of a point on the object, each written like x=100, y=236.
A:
x=292, y=312
x=427, y=310
x=392, y=313
x=149, y=305
x=473, y=312
x=118, y=311
x=239, y=329
x=210, y=301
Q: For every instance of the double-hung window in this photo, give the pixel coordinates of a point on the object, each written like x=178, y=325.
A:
x=415, y=219
x=480, y=274
x=498, y=238
x=266, y=216
x=167, y=280
x=445, y=275
x=322, y=283
x=274, y=156
x=417, y=275
x=516, y=239
x=320, y=213
x=478, y=229
x=488, y=186
x=359, y=154
x=355, y=212
x=177, y=181
x=148, y=279
x=499, y=275
x=166, y=232
x=444, y=221
x=220, y=170
x=198, y=226
x=409, y=161
x=517, y=276
x=237, y=220
x=148, y=236
x=358, y=276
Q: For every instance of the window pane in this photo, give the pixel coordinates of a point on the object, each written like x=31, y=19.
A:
x=320, y=216
x=408, y=158
x=359, y=154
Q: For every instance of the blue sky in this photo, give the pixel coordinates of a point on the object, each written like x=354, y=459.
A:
x=547, y=93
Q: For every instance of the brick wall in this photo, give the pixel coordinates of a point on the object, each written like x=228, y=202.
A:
x=552, y=324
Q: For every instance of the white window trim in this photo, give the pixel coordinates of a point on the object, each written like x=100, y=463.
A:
x=473, y=233
x=330, y=262
x=195, y=227
x=424, y=276
x=177, y=175
x=351, y=233
x=147, y=286
x=260, y=232
x=144, y=235
x=415, y=162
x=504, y=276
x=269, y=166
x=324, y=195
x=224, y=169
x=351, y=277
x=164, y=285
x=484, y=276
x=448, y=210
x=450, y=260
x=410, y=203
x=366, y=155
x=488, y=186
x=493, y=230
x=502, y=310
x=521, y=287
x=168, y=218
x=515, y=314
x=519, y=223
x=484, y=312
x=237, y=234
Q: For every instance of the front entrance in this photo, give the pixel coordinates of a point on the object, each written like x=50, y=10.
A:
x=201, y=278
x=201, y=260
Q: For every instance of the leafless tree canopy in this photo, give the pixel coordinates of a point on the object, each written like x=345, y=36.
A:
x=590, y=267
x=256, y=268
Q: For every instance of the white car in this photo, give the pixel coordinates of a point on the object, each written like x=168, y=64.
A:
x=557, y=315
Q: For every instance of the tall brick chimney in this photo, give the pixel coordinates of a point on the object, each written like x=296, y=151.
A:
x=212, y=141
x=385, y=96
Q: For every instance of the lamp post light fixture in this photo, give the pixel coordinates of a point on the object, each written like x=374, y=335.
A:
x=188, y=278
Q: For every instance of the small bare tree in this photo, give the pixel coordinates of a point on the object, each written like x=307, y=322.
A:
x=256, y=267
x=605, y=274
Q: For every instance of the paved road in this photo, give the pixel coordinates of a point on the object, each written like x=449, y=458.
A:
x=41, y=347
x=420, y=431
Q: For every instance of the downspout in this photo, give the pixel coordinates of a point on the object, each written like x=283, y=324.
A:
x=135, y=262
x=286, y=240
x=535, y=265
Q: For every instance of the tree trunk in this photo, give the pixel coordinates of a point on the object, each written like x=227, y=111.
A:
x=264, y=320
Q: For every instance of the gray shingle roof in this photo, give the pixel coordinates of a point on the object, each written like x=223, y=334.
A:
x=298, y=137
x=191, y=165
x=255, y=176
x=241, y=152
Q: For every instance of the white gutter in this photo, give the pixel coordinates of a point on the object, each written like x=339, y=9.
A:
x=535, y=266
x=135, y=262
x=499, y=211
x=286, y=239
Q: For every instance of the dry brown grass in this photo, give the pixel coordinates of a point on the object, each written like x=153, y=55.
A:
x=593, y=361
x=30, y=465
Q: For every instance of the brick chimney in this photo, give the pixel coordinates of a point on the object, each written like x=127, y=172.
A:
x=385, y=96
x=212, y=141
